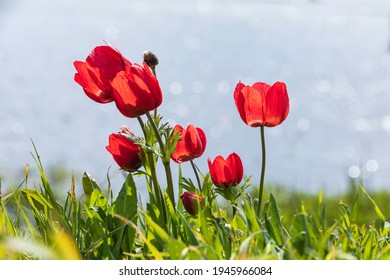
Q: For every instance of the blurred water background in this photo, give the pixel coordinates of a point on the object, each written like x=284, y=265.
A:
x=333, y=55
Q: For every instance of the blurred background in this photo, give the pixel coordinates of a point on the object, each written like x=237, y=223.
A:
x=333, y=56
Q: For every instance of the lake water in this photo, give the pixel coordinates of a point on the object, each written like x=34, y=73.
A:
x=333, y=56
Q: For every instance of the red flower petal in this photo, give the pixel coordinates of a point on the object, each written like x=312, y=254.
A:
x=91, y=88
x=219, y=171
x=253, y=100
x=276, y=105
x=124, y=152
x=136, y=91
x=235, y=164
x=192, y=143
x=95, y=75
x=180, y=154
x=108, y=60
x=239, y=101
x=226, y=173
x=262, y=104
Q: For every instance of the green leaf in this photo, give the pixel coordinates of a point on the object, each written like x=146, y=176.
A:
x=370, y=243
x=377, y=210
x=6, y=225
x=175, y=249
x=89, y=185
x=158, y=231
x=248, y=214
x=248, y=244
x=355, y=207
x=189, y=234
x=45, y=182
x=153, y=250
x=170, y=208
x=273, y=222
x=239, y=228
x=126, y=206
x=300, y=233
x=98, y=199
x=126, y=201
x=36, y=200
x=172, y=214
x=321, y=209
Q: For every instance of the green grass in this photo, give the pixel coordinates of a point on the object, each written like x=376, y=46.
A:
x=290, y=202
x=35, y=223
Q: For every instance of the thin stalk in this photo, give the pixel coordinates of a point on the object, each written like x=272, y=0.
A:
x=168, y=175
x=196, y=174
x=165, y=160
x=234, y=209
x=158, y=137
x=157, y=189
x=153, y=174
x=263, y=163
x=142, y=125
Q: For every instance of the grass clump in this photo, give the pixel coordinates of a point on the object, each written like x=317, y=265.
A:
x=35, y=224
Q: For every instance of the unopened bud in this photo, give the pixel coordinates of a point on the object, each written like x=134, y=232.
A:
x=150, y=59
x=126, y=130
x=191, y=201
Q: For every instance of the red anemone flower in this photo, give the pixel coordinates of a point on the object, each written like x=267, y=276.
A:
x=97, y=72
x=191, y=144
x=191, y=202
x=262, y=104
x=124, y=151
x=136, y=90
x=226, y=173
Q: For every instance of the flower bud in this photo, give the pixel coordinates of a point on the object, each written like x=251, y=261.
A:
x=150, y=59
x=191, y=202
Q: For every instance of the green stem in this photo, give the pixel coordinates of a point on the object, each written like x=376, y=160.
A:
x=141, y=123
x=234, y=210
x=165, y=160
x=196, y=175
x=158, y=137
x=168, y=175
x=153, y=174
x=157, y=189
x=263, y=162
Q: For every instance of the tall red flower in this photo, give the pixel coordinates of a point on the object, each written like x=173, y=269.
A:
x=191, y=144
x=124, y=151
x=97, y=72
x=136, y=91
x=262, y=104
x=192, y=201
x=226, y=173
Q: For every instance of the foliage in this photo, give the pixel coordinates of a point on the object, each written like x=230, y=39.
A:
x=34, y=224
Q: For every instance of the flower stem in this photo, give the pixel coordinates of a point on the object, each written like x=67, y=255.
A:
x=168, y=175
x=153, y=174
x=263, y=162
x=165, y=160
x=234, y=208
x=196, y=175
x=142, y=125
x=158, y=137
